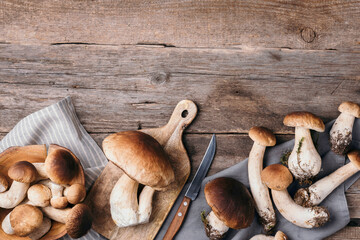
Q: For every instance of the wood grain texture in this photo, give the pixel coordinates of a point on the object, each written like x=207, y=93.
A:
x=312, y=24
x=135, y=87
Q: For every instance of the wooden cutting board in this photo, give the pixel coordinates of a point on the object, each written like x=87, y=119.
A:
x=170, y=137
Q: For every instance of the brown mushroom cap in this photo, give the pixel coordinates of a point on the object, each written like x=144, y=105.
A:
x=78, y=221
x=141, y=157
x=350, y=108
x=304, y=119
x=22, y=171
x=262, y=136
x=24, y=219
x=280, y=236
x=76, y=193
x=3, y=183
x=59, y=202
x=40, y=195
x=276, y=177
x=354, y=157
x=231, y=202
x=61, y=165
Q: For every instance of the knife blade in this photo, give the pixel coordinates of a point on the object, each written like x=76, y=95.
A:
x=192, y=191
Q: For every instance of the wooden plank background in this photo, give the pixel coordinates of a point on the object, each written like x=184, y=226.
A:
x=126, y=64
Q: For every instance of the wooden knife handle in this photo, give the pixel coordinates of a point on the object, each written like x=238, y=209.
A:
x=178, y=219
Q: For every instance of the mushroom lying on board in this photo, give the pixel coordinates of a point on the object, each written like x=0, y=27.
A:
x=232, y=207
x=341, y=131
x=304, y=161
x=318, y=191
x=262, y=138
x=23, y=173
x=278, y=236
x=144, y=161
x=277, y=177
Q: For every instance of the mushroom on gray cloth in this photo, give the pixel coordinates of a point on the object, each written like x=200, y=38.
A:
x=278, y=177
x=304, y=161
x=144, y=161
x=341, y=131
x=262, y=138
x=318, y=191
x=278, y=236
x=232, y=207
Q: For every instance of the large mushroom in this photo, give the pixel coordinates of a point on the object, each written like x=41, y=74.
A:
x=262, y=138
x=23, y=173
x=341, y=131
x=143, y=161
x=304, y=161
x=318, y=191
x=278, y=177
x=232, y=207
x=278, y=236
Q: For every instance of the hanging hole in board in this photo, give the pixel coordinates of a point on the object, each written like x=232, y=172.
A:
x=184, y=114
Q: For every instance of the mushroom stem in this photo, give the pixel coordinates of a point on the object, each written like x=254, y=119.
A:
x=298, y=215
x=304, y=161
x=215, y=228
x=123, y=202
x=145, y=204
x=58, y=215
x=317, y=192
x=57, y=199
x=341, y=133
x=259, y=190
x=40, y=168
x=6, y=225
x=14, y=195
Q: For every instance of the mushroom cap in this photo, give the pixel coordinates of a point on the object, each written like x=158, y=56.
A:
x=76, y=193
x=40, y=195
x=3, y=183
x=280, y=236
x=304, y=119
x=61, y=165
x=350, y=108
x=276, y=177
x=354, y=157
x=262, y=136
x=25, y=218
x=78, y=221
x=22, y=171
x=141, y=157
x=59, y=202
x=231, y=202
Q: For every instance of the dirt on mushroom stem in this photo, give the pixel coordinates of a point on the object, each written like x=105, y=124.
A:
x=341, y=143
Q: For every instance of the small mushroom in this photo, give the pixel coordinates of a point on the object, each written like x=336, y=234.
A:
x=232, y=207
x=278, y=236
x=317, y=192
x=39, y=195
x=144, y=161
x=304, y=161
x=341, y=131
x=278, y=177
x=75, y=193
x=77, y=220
x=23, y=173
x=262, y=138
x=3, y=183
x=58, y=200
x=24, y=219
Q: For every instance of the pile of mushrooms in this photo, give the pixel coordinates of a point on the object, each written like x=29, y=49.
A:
x=143, y=161
x=43, y=191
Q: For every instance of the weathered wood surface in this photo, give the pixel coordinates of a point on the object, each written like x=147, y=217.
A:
x=313, y=24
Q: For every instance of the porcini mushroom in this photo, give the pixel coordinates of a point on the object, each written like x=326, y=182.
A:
x=24, y=219
x=144, y=161
x=23, y=173
x=278, y=177
x=318, y=191
x=77, y=219
x=3, y=183
x=58, y=200
x=232, y=207
x=75, y=193
x=262, y=138
x=304, y=161
x=341, y=131
x=39, y=195
x=278, y=236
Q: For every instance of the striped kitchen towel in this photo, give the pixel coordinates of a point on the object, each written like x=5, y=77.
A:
x=59, y=124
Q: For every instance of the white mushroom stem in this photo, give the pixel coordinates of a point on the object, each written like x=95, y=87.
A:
x=259, y=190
x=318, y=191
x=58, y=215
x=6, y=225
x=304, y=161
x=216, y=223
x=341, y=132
x=145, y=204
x=14, y=195
x=40, y=168
x=42, y=230
x=303, y=217
x=56, y=189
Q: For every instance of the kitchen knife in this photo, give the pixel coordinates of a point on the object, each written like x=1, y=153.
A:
x=192, y=191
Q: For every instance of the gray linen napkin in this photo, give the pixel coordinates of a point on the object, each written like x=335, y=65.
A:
x=59, y=124
x=192, y=227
